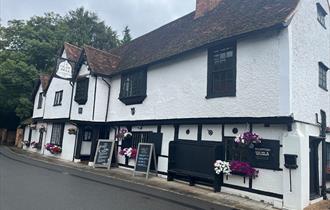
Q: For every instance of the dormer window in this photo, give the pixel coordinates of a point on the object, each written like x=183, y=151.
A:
x=321, y=13
x=40, y=99
x=133, y=87
x=82, y=91
x=58, y=98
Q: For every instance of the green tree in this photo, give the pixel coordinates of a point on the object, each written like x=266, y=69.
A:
x=28, y=48
x=126, y=36
x=86, y=28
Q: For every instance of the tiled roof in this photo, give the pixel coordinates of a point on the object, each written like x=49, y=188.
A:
x=231, y=18
x=72, y=52
x=101, y=62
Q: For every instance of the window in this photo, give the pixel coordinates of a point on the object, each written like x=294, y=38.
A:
x=82, y=91
x=323, y=76
x=221, y=80
x=40, y=100
x=58, y=98
x=57, y=134
x=321, y=13
x=133, y=87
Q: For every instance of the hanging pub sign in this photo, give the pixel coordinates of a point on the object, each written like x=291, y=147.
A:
x=145, y=155
x=104, y=153
x=64, y=68
x=266, y=154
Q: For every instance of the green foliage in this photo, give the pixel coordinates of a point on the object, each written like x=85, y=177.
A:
x=127, y=36
x=28, y=48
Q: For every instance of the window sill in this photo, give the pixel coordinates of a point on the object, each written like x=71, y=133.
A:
x=220, y=96
x=323, y=88
x=322, y=24
x=132, y=100
x=57, y=105
x=39, y=107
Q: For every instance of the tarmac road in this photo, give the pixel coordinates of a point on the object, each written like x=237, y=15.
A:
x=26, y=184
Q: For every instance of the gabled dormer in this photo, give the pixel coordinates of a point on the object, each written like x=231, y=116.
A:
x=38, y=96
x=60, y=88
x=92, y=87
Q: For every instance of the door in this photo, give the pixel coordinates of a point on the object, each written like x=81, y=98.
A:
x=86, y=143
x=314, y=168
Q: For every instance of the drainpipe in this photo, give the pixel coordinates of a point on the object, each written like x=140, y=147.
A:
x=109, y=87
x=72, y=85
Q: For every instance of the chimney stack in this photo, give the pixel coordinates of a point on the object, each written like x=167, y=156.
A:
x=205, y=6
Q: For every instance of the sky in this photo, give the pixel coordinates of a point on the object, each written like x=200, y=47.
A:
x=141, y=16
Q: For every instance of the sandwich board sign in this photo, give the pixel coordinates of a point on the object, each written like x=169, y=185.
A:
x=145, y=155
x=104, y=153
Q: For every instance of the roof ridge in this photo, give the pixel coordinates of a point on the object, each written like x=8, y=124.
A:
x=102, y=51
x=156, y=29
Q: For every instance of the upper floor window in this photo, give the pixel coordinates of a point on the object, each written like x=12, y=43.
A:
x=40, y=99
x=82, y=91
x=323, y=76
x=58, y=98
x=133, y=87
x=321, y=13
x=221, y=79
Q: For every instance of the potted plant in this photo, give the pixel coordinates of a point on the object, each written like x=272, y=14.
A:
x=26, y=143
x=36, y=145
x=220, y=168
x=72, y=131
x=54, y=149
x=243, y=169
x=129, y=153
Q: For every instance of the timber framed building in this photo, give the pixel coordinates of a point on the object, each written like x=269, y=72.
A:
x=230, y=66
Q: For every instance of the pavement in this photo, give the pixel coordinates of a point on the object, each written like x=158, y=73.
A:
x=177, y=188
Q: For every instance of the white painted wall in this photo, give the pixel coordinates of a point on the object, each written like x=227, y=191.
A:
x=177, y=89
x=310, y=44
x=38, y=113
x=62, y=111
x=67, y=145
x=100, y=102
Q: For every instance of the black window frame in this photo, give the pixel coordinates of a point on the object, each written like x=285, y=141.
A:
x=321, y=14
x=81, y=94
x=58, y=142
x=323, y=69
x=58, y=98
x=40, y=100
x=133, y=87
x=228, y=69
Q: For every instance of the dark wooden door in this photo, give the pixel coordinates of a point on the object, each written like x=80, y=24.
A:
x=314, y=168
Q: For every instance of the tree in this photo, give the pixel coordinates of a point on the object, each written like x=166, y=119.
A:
x=29, y=48
x=86, y=28
x=126, y=36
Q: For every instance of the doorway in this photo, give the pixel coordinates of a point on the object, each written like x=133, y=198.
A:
x=314, y=174
x=86, y=143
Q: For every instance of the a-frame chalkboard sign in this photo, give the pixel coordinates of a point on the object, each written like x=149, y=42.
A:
x=104, y=153
x=145, y=155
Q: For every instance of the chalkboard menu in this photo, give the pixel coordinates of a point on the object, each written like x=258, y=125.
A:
x=104, y=153
x=266, y=154
x=145, y=155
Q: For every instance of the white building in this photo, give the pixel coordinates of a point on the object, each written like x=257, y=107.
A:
x=230, y=66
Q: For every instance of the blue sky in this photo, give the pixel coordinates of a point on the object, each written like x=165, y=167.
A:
x=141, y=16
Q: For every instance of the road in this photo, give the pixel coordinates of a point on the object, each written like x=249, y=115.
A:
x=26, y=184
